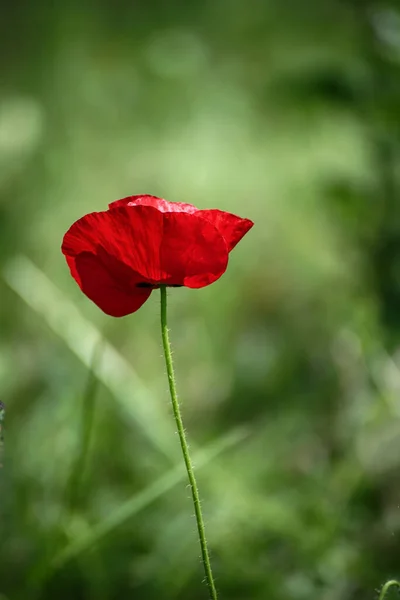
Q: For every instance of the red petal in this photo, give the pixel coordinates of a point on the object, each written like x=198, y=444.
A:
x=97, y=282
x=193, y=252
x=123, y=237
x=230, y=226
x=141, y=244
x=72, y=268
x=159, y=203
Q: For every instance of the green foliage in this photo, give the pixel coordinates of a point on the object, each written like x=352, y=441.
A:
x=288, y=367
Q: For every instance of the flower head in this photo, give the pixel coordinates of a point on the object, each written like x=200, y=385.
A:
x=120, y=255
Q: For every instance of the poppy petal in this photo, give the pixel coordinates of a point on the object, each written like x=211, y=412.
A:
x=193, y=252
x=159, y=203
x=71, y=263
x=230, y=226
x=123, y=237
x=97, y=282
x=172, y=248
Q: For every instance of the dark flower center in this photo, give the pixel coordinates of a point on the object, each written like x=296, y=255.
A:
x=146, y=284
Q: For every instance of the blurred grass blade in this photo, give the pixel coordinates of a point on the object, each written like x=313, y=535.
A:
x=73, y=490
x=2, y=414
x=146, y=497
x=62, y=316
x=74, y=485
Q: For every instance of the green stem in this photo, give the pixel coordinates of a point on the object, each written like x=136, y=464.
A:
x=386, y=587
x=184, y=446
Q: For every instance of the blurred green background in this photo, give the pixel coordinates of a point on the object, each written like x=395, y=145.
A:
x=288, y=367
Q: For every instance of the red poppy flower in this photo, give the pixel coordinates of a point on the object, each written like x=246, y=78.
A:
x=120, y=255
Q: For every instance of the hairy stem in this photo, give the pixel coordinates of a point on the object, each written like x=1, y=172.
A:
x=184, y=446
